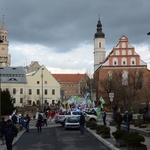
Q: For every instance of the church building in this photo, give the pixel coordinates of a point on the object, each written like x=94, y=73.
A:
x=121, y=78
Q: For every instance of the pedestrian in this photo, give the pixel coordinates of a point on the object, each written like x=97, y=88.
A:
x=45, y=119
x=14, y=119
x=104, y=118
x=118, y=120
x=39, y=122
x=127, y=119
x=2, y=127
x=82, y=122
x=27, y=121
x=10, y=132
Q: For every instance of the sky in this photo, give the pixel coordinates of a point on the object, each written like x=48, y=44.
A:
x=59, y=33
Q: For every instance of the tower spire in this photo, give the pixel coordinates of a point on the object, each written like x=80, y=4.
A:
x=99, y=32
x=3, y=24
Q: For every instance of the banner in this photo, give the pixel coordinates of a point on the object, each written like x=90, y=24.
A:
x=98, y=112
x=102, y=100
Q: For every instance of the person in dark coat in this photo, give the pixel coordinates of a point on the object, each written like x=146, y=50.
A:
x=104, y=117
x=39, y=122
x=118, y=120
x=27, y=121
x=14, y=119
x=127, y=119
x=10, y=132
x=2, y=127
x=82, y=122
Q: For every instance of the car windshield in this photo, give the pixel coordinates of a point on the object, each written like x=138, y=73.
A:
x=73, y=119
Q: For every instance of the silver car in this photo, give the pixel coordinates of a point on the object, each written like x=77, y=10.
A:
x=72, y=122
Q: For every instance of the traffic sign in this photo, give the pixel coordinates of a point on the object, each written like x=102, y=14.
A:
x=111, y=99
x=111, y=95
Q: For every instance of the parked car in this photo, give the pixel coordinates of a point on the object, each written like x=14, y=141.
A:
x=72, y=122
x=62, y=118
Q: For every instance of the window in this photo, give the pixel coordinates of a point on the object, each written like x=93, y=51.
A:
x=125, y=78
x=53, y=91
x=124, y=61
x=132, y=62
x=45, y=91
x=99, y=44
x=14, y=100
x=115, y=61
x=45, y=82
x=38, y=91
x=30, y=91
x=110, y=75
x=38, y=82
x=14, y=91
x=21, y=100
x=21, y=91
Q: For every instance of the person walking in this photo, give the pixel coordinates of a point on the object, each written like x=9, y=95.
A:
x=118, y=120
x=2, y=127
x=10, y=132
x=127, y=119
x=27, y=121
x=39, y=122
x=104, y=118
x=44, y=119
x=82, y=122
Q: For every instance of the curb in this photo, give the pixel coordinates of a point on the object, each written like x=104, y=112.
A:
x=109, y=145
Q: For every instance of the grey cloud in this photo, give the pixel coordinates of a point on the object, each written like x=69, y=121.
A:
x=65, y=24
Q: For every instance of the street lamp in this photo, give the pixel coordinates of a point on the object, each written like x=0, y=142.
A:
x=0, y=94
x=42, y=85
x=0, y=89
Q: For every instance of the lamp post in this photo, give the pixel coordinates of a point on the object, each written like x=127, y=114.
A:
x=0, y=89
x=0, y=95
x=42, y=85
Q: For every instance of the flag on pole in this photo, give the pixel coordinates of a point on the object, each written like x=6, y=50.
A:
x=102, y=100
x=98, y=112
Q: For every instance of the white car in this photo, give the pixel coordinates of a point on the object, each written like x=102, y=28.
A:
x=72, y=122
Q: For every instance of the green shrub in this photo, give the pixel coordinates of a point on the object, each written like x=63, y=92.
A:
x=99, y=128
x=133, y=138
x=119, y=134
x=93, y=125
x=105, y=130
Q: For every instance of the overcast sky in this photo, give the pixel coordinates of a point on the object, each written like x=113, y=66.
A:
x=59, y=33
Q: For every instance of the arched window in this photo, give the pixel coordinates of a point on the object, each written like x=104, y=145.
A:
x=133, y=61
x=115, y=61
x=124, y=61
x=125, y=78
x=117, y=52
x=110, y=76
x=123, y=52
x=123, y=45
x=129, y=52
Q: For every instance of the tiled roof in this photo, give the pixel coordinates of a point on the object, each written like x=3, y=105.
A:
x=69, y=77
x=13, y=75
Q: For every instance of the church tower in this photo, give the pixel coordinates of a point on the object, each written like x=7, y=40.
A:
x=99, y=46
x=5, y=58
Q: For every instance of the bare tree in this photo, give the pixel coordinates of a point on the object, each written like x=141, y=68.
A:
x=125, y=84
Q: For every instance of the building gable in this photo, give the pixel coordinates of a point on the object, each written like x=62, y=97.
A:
x=123, y=54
